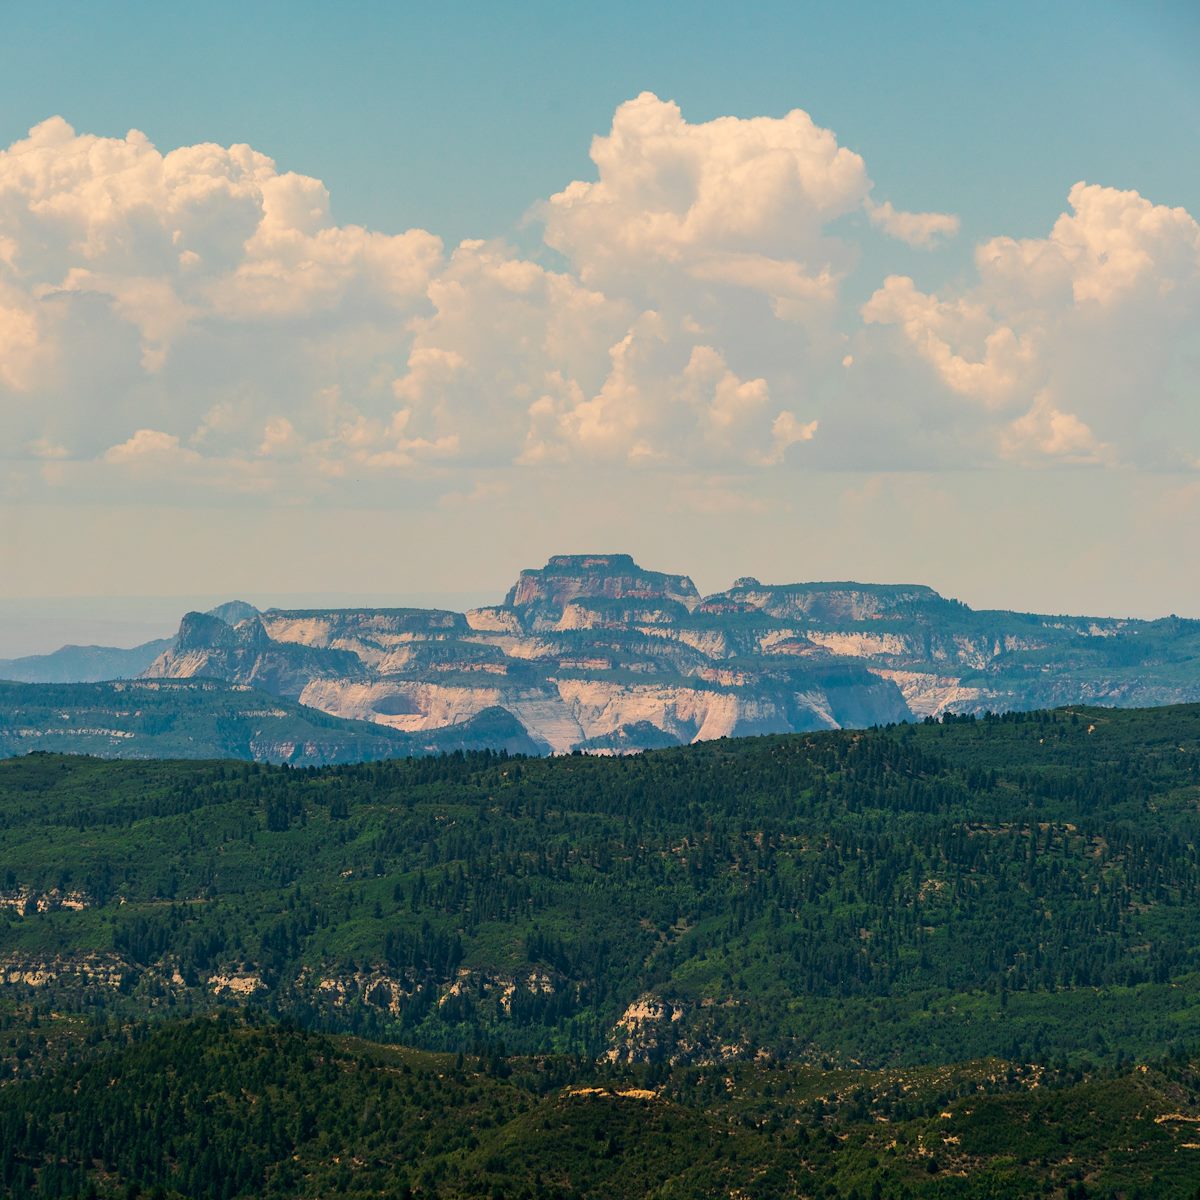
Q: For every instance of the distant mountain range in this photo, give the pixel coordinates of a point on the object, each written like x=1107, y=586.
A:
x=83, y=664
x=594, y=652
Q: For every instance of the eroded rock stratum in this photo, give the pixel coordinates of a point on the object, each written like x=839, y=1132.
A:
x=595, y=652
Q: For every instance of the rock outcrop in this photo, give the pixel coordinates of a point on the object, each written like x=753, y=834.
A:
x=210, y=648
x=541, y=596
x=594, y=652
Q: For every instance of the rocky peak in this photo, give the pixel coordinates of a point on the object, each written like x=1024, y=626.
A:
x=234, y=612
x=203, y=631
x=200, y=631
x=246, y=653
x=568, y=577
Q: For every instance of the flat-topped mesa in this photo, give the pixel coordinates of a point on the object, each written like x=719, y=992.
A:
x=349, y=626
x=568, y=577
x=837, y=602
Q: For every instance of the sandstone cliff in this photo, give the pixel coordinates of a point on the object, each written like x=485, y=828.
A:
x=595, y=652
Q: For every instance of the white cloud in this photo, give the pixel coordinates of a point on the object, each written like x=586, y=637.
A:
x=661, y=403
x=298, y=263
x=923, y=230
x=279, y=437
x=197, y=318
x=786, y=431
x=149, y=290
x=1113, y=246
x=744, y=202
x=219, y=227
x=45, y=449
x=20, y=341
x=1081, y=333
x=500, y=328
x=151, y=305
x=975, y=354
x=1046, y=433
x=148, y=444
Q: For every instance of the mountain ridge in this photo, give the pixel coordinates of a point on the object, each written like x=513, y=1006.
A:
x=596, y=652
x=83, y=664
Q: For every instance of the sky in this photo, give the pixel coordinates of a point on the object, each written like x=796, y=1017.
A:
x=387, y=301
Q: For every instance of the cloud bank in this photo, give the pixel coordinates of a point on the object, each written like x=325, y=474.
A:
x=198, y=321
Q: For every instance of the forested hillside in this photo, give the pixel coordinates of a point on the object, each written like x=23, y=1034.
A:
x=955, y=959
x=217, y=1109
x=206, y=718
x=1025, y=886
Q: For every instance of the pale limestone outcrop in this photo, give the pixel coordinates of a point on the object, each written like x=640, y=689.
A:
x=594, y=651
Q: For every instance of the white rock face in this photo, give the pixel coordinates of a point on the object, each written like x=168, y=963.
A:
x=931, y=695
x=648, y=1010
x=627, y=657
x=237, y=984
x=308, y=631
x=594, y=651
x=862, y=645
x=602, y=707
x=401, y=704
x=187, y=665
x=105, y=970
x=495, y=619
x=575, y=710
x=712, y=643
x=840, y=602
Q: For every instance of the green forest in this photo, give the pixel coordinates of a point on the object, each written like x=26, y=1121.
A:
x=216, y=1108
x=957, y=958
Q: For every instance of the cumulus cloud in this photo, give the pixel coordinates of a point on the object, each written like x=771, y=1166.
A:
x=20, y=341
x=500, y=330
x=1079, y=334
x=923, y=230
x=674, y=191
x=279, y=437
x=744, y=202
x=297, y=263
x=129, y=276
x=973, y=352
x=144, y=444
x=662, y=404
x=201, y=231
x=1114, y=246
x=198, y=317
x=1046, y=433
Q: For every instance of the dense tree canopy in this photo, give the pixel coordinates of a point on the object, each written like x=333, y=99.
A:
x=826, y=921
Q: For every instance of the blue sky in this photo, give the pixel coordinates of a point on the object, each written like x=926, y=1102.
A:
x=454, y=117
x=862, y=343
